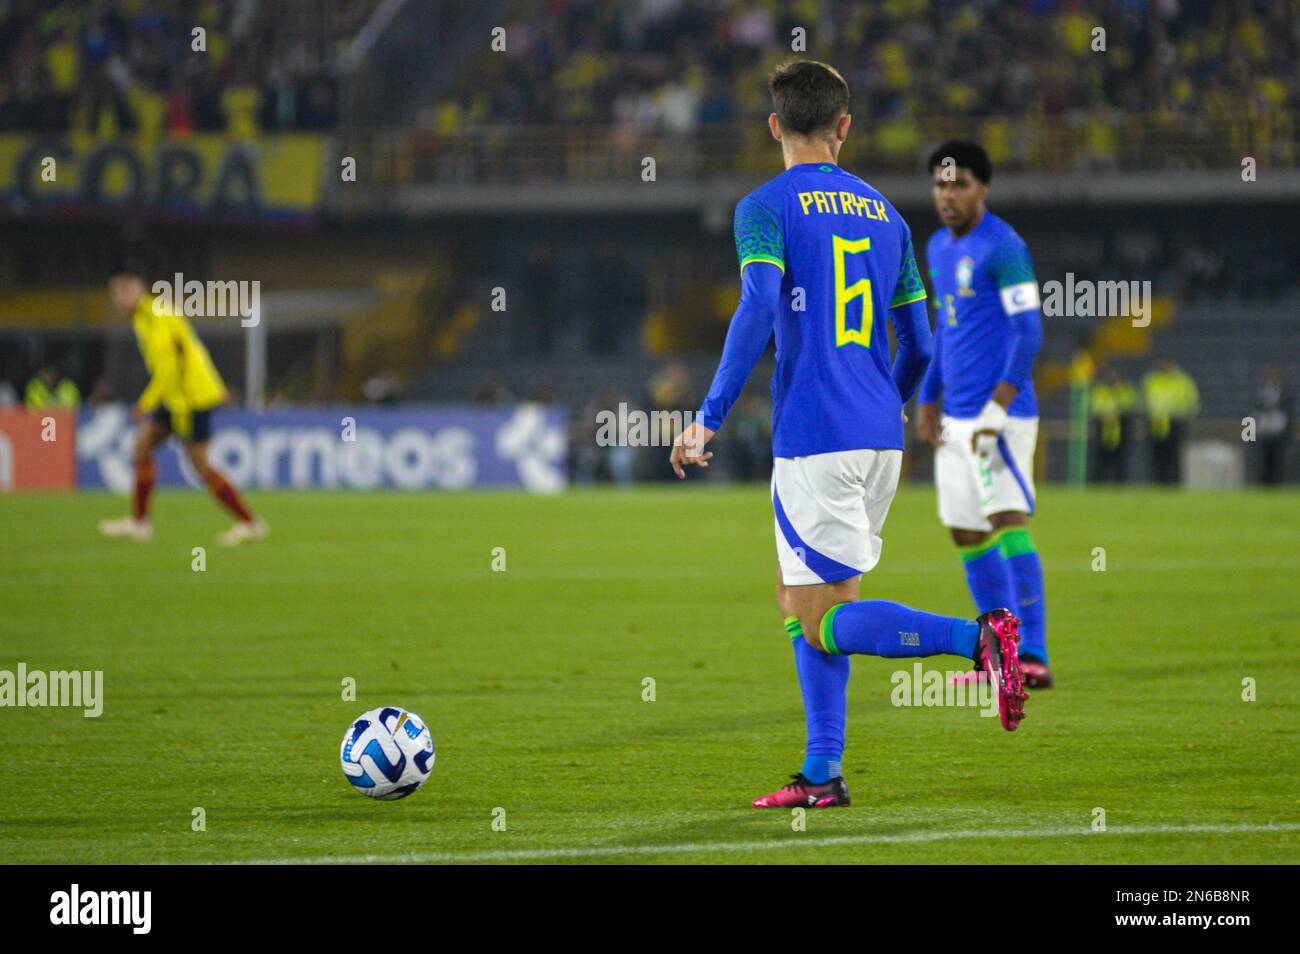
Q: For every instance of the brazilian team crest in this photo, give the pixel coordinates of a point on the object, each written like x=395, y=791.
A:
x=965, y=276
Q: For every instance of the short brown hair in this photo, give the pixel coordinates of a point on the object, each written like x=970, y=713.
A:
x=808, y=97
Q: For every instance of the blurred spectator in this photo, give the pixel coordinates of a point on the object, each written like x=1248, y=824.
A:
x=541, y=394
x=1171, y=400
x=101, y=392
x=1113, y=405
x=383, y=388
x=1273, y=426
x=493, y=394
x=669, y=389
x=671, y=64
x=593, y=462
x=50, y=389
x=117, y=66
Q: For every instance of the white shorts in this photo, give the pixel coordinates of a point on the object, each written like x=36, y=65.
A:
x=971, y=487
x=830, y=509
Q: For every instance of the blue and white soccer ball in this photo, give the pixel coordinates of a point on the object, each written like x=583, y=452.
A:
x=387, y=753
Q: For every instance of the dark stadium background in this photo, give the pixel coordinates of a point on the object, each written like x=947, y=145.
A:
x=521, y=169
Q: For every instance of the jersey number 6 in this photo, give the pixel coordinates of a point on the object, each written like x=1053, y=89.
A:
x=842, y=247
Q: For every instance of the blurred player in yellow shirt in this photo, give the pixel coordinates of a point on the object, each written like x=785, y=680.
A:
x=184, y=389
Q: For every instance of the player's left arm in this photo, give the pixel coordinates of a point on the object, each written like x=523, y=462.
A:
x=747, y=338
x=907, y=312
x=760, y=248
x=1013, y=271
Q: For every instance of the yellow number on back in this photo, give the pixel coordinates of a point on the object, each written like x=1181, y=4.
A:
x=841, y=247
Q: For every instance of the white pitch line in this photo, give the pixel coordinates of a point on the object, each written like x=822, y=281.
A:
x=918, y=837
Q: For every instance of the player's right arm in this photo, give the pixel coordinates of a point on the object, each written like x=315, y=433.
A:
x=907, y=312
x=1013, y=271
x=1018, y=290
x=927, y=408
x=761, y=250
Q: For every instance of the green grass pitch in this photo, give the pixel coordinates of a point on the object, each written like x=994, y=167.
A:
x=223, y=688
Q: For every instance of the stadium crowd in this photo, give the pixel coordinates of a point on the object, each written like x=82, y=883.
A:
x=681, y=63
x=121, y=66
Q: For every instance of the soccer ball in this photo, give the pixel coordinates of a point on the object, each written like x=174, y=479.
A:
x=387, y=753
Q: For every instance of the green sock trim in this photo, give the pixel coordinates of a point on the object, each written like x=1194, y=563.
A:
x=793, y=628
x=828, y=629
x=975, y=551
x=1015, y=541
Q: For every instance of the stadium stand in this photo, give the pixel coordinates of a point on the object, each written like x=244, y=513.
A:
x=120, y=66
x=585, y=93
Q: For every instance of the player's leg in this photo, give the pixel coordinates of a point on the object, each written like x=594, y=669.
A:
x=894, y=631
x=837, y=622
x=1016, y=544
x=884, y=628
x=151, y=432
x=960, y=484
x=987, y=575
x=823, y=510
x=823, y=681
x=830, y=510
x=823, y=684
x=1008, y=510
x=248, y=526
x=1163, y=458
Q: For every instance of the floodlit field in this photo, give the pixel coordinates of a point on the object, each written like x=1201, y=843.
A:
x=222, y=688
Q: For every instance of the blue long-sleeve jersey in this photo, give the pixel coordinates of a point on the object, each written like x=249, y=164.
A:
x=823, y=258
x=987, y=327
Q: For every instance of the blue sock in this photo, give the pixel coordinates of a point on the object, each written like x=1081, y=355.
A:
x=882, y=628
x=988, y=577
x=1026, y=571
x=824, y=682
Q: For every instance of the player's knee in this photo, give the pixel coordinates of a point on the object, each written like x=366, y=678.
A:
x=969, y=538
x=197, y=452
x=1009, y=518
x=812, y=634
x=812, y=627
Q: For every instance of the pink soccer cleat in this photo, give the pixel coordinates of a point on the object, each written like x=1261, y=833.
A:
x=801, y=793
x=997, y=654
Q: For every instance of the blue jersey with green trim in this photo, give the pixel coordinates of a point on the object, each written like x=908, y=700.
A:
x=846, y=258
x=985, y=295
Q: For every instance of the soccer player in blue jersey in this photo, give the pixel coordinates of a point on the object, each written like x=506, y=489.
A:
x=987, y=332
x=824, y=258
